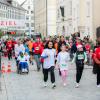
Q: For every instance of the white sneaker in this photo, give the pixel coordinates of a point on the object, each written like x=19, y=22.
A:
x=45, y=84
x=23, y=70
x=98, y=86
x=77, y=85
x=64, y=84
x=53, y=86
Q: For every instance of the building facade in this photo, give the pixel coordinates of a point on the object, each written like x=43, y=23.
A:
x=29, y=6
x=45, y=17
x=96, y=16
x=77, y=17
x=12, y=16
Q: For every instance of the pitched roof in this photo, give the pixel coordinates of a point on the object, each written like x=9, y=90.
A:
x=6, y=3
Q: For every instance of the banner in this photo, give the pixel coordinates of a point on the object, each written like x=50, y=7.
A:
x=12, y=23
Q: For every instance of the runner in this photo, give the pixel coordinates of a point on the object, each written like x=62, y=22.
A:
x=38, y=47
x=49, y=55
x=9, y=47
x=97, y=61
x=62, y=62
x=79, y=58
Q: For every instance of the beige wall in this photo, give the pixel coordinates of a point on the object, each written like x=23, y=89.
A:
x=96, y=15
x=45, y=22
x=40, y=16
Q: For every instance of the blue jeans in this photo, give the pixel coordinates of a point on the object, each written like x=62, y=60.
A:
x=37, y=59
x=23, y=65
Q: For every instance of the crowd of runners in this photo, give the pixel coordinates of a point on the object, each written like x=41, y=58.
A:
x=53, y=53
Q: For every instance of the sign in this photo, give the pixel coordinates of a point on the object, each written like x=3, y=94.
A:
x=7, y=23
x=12, y=23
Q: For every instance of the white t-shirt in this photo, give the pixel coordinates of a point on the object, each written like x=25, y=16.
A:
x=49, y=61
x=21, y=59
x=62, y=60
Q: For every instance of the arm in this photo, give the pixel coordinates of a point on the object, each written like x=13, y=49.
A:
x=74, y=58
x=96, y=60
x=58, y=61
x=43, y=55
x=68, y=57
x=85, y=60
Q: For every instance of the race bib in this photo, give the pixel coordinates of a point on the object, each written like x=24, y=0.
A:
x=63, y=65
x=9, y=45
x=37, y=48
x=80, y=57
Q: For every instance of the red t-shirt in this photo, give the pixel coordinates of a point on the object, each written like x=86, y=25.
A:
x=9, y=45
x=38, y=47
x=88, y=47
x=97, y=53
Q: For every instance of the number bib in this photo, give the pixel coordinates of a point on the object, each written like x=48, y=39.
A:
x=80, y=57
x=63, y=65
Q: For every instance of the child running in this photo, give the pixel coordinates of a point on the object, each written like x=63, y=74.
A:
x=49, y=55
x=62, y=62
x=80, y=58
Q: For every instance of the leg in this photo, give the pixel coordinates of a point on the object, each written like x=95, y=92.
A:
x=36, y=57
x=8, y=55
x=45, y=75
x=38, y=63
x=42, y=68
x=52, y=74
x=79, y=73
x=64, y=75
x=98, y=75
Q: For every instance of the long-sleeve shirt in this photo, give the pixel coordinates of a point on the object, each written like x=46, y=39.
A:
x=62, y=60
x=80, y=57
x=50, y=55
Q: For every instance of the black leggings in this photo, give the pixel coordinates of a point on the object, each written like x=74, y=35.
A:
x=45, y=72
x=79, y=71
x=9, y=54
x=98, y=75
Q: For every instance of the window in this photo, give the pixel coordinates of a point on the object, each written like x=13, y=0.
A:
x=31, y=12
x=88, y=9
x=70, y=8
x=27, y=24
x=27, y=12
x=32, y=18
x=32, y=24
x=58, y=13
x=27, y=17
x=29, y=7
x=32, y=30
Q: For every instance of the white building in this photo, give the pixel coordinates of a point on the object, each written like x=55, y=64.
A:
x=77, y=17
x=29, y=6
x=64, y=17
x=12, y=16
x=45, y=17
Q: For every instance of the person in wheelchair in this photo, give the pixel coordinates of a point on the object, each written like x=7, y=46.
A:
x=23, y=63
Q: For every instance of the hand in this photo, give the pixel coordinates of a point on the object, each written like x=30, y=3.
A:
x=72, y=63
x=57, y=66
x=85, y=62
x=48, y=55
